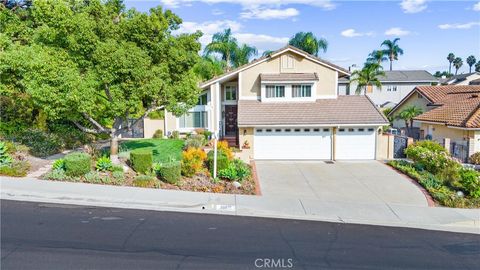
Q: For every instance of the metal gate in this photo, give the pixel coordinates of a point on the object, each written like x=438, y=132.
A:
x=135, y=131
x=399, y=145
x=459, y=151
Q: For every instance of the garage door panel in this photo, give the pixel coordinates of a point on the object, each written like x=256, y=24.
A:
x=355, y=143
x=291, y=144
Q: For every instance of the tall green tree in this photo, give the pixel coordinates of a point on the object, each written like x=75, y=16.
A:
x=450, y=58
x=308, y=42
x=477, y=67
x=224, y=44
x=368, y=76
x=209, y=67
x=471, y=61
x=267, y=53
x=457, y=64
x=407, y=115
x=243, y=54
x=96, y=64
x=377, y=56
x=392, y=50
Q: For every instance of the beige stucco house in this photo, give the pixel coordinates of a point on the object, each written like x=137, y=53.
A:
x=451, y=116
x=285, y=106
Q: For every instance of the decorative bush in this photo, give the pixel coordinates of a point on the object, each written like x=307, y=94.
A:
x=103, y=164
x=195, y=141
x=77, y=164
x=141, y=160
x=193, y=160
x=117, y=168
x=41, y=143
x=222, y=161
x=118, y=175
x=223, y=146
x=470, y=182
x=56, y=175
x=59, y=164
x=475, y=158
x=158, y=134
x=17, y=168
x=175, y=134
x=431, y=156
x=169, y=172
x=93, y=177
x=146, y=181
x=5, y=158
x=236, y=170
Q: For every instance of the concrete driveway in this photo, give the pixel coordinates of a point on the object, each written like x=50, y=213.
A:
x=346, y=182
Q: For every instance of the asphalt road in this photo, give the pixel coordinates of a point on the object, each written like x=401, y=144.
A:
x=52, y=236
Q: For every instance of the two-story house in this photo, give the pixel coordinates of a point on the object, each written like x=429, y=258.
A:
x=396, y=84
x=286, y=106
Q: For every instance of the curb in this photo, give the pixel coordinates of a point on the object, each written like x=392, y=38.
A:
x=258, y=191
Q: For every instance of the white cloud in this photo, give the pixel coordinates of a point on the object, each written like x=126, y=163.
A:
x=413, y=6
x=268, y=14
x=250, y=4
x=353, y=33
x=476, y=7
x=397, y=31
x=262, y=42
x=458, y=25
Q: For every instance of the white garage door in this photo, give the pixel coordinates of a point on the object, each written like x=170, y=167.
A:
x=355, y=143
x=292, y=143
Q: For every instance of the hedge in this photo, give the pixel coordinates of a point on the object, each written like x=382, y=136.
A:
x=170, y=172
x=222, y=161
x=77, y=164
x=141, y=160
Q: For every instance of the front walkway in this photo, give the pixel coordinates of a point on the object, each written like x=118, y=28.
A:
x=346, y=182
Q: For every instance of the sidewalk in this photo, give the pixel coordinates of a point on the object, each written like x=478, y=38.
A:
x=432, y=218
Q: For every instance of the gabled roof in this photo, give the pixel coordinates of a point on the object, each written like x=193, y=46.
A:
x=346, y=110
x=273, y=54
x=281, y=77
x=403, y=76
x=458, y=78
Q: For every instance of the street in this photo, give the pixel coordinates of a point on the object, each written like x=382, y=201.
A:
x=54, y=236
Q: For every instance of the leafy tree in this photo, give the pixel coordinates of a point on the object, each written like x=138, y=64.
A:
x=96, y=64
x=308, y=42
x=225, y=44
x=367, y=77
x=209, y=67
x=457, y=63
x=267, y=52
x=450, y=59
x=392, y=50
x=408, y=114
x=377, y=56
x=440, y=74
x=471, y=61
x=477, y=67
x=243, y=54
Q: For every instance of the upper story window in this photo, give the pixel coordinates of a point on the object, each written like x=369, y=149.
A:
x=230, y=92
x=275, y=91
x=301, y=90
x=391, y=88
x=202, y=99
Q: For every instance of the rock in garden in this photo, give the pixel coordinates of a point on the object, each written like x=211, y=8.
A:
x=236, y=184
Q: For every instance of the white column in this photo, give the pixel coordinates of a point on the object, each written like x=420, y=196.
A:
x=218, y=109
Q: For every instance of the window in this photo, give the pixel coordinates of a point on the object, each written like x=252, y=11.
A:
x=230, y=92
x=202, y=99
x=297, y=130
x=259, y=130
x=316, y=129
x=307, y=130
x=287, y=130
x=326, y=129
x=288, y=61
x=361, y=129
x=194, y=120
x=301, y=91
x=391, y=88
x=370, y=129
x=341, y=130
x=278, y=130
x=275, y=91
x=268, y=130
x=351, y=130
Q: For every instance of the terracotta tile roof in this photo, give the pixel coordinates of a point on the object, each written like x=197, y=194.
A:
x=458, y=105
x=281, y=77
x=342, y=110
x=205, y=83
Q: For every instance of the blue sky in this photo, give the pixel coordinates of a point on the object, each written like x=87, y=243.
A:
x=428, y=30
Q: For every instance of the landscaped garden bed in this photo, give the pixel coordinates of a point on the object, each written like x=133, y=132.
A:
x=179, y=164
x=447, y=181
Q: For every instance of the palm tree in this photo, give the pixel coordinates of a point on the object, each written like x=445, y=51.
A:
x=224, y=44
x=367, y=76
x=209, y=67
x=457, y=63
x=450, y=59
x=242, y=55
x=408, y=114
x=471, y=61
x=377, y=56
x=477, y=67
x=393, y=50
x=267, y=53
x=308, y=42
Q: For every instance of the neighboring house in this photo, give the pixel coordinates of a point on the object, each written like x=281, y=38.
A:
x=285, y=106
x=396, y=84
x=462, y=79
x=451, y=113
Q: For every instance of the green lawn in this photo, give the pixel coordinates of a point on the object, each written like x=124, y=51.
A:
x=163, y=149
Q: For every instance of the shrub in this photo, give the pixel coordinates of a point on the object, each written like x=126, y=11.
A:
x=93, y=177
x=41, y=144
x=141, y=160
x=243, y=170
x=56, y=175
x=430, y=156
x=222, y=161
x=223, y=146
x=5, y=158
x=59, y=164
x=229, y=173
x=195, y=141
x=104, y=164
x=169, y=172
x=117, y=168
x=77, y=164
x=475, y=158
x=193, y=160
x=118, y=175
x=175, y=134
x=236, y=170
x=158, y=134
x=146, y=181
x=70, y=136
x=469, y=181
x=17, y=168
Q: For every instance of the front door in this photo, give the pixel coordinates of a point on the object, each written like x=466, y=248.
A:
x=230, y=120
